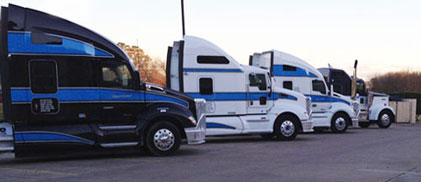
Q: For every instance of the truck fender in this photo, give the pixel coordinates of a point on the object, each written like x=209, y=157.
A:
x=342, y=107
x=375, y=111
x=290, y=109
x=173, y=113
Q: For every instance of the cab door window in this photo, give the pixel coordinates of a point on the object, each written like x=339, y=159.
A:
x=258, y=80
x=319, y=86
x=116, y=75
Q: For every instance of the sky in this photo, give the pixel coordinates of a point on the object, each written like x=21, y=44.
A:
x=384, y=35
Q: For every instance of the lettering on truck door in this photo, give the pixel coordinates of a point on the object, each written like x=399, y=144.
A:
x=120, y=102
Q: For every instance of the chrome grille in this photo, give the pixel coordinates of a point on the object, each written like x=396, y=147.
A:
x=200, y=112
x=356, y=108
x=308, y=105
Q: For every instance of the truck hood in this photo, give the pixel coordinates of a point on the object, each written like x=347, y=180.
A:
x=170, y=92
x=173, y=93
x=295, y=94
x=343, y=97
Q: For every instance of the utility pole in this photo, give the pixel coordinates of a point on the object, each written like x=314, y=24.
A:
x=182, y=17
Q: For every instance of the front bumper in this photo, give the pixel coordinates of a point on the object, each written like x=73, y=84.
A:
x=307, y=125
x=197, y=135
x=355, y=119
x=354, y=122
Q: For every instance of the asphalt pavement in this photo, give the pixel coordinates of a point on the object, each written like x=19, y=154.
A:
x=371, y=154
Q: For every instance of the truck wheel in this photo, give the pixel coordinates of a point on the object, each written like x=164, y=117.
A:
x=162, y=139
x=339, y=123
x=364, y=124
x=385, y=119
x=286, y=128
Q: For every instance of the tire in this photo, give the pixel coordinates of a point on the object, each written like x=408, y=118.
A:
x=165, y=146
x=385, y=119
x=286, y=128
x=364, y=124
x=339, y=123
x=267, y=136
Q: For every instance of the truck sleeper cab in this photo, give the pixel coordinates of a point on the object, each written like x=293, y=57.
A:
x=330, y=109
x=240, y=99
x=68, y=88
x=373, y=107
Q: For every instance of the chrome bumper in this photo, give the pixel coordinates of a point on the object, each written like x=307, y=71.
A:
x=355, y=119
x=196, y=135
x=307, y=126
x=354, y=122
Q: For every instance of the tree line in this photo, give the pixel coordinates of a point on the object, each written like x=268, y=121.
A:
x=394, y=82
x=151, y=70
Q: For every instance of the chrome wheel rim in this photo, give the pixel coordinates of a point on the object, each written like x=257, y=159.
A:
x=385, y=119
x=164, y=139
x=287, y=128
x=340, y=123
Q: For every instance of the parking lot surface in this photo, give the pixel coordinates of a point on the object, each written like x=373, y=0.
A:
x=371, y=154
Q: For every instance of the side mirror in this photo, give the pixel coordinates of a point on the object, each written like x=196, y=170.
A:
x=331, y=90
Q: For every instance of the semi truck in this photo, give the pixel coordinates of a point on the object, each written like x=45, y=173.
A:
x=66, y=88
x=240, y=99
x=373, y=107
x=331, y=110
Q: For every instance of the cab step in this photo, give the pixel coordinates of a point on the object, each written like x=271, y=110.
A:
x=6, y=137
x=122, y=144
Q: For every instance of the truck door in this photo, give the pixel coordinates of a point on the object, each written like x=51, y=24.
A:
x=174, y=67
x=320, y=99
x=258, y=95
x=120, y=102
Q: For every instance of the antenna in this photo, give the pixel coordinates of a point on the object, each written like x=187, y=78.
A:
x=182, y=17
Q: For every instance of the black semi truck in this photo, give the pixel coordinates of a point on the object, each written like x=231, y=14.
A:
x=67, y=88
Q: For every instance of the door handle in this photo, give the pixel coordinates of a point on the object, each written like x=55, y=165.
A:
x=314, y=105
x=108, y=107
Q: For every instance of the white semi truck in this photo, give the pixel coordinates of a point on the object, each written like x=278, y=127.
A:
x=373, y=107
x=330, y=109
x=240, y=99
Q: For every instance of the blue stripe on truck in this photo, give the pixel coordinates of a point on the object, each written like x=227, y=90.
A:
x=92, y=95
x=320, y=98
x=239, y=96
x=49, y=137
x=218, y=125
x=278, y=70
x=212, y=70
x=21, y=42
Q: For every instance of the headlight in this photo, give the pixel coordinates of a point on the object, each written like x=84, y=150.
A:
x=356, y=108
x=307, y=115
x=192, y=120
x=308, y=105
